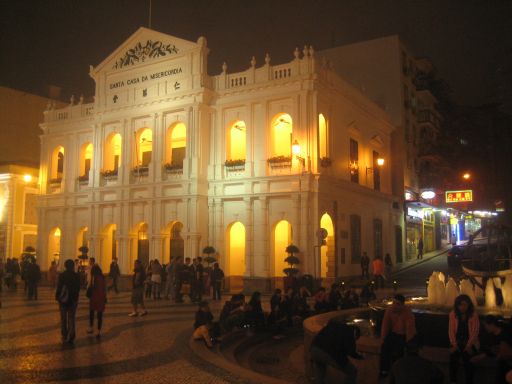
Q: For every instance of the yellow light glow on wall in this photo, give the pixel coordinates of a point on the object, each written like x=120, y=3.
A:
x=113, y=152
x=27, y=178
x=57, y=165
x=85, y=158
x=108, y=246
x=322, y=136
x=179, y=136
x=326, y=223
x=282, y=129
x=236, y=249
x=54, y=239
x=237, y=141
x=282, y=238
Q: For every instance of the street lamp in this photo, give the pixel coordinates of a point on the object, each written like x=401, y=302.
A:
x=296, y=152
x=380, y=162
x=466, y=176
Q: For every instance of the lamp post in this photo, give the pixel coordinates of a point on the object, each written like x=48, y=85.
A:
x=296, y=152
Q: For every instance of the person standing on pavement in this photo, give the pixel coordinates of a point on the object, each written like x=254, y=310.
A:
x=32, y=277
x=68, y=289
x=420, y=248
x=217, y=278
x=378, y=272
x=52, y=274
x=97, y=300
x=388, y=265
x=365, y=266
x=114, y=273
x=333, y=346
x=169, y=283
x=156, y=279
x=197, y=280
x=398, y=328
x=139, y=276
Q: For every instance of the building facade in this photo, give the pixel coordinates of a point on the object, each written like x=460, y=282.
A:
x=168, y=160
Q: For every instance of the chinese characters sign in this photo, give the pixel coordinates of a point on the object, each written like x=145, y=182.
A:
x=459, y=196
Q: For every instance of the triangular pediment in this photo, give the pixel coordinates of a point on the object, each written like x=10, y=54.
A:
x=143, y=46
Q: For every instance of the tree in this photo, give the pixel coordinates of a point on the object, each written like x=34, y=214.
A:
x=292, y=260
x=209, y=251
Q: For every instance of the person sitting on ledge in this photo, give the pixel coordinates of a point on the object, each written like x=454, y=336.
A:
x=204, y=325
x=398, y=328
x=232, y=314
x=412, y=368
x=332, y=346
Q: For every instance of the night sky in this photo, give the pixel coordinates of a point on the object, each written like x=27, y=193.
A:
x=53, y=42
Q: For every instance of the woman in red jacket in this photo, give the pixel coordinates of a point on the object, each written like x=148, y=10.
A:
x=463, y=329
x=97, y=299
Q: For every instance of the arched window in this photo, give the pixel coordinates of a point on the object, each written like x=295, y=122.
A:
x=85, y=160
x=323, y=144
x=143, y=244
x=236, y=141
x=109, y=251
x=144, y=147
x=112, y=160
x=281, y=136
x=57, y=165
x=176, y=144
x=54, y=246
x=327, y=255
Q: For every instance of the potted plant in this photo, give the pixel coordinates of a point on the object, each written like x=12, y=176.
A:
x=83, y=179
x=109, y=174
x=55, y=180
x=209, y=251
x=140, y=170
x=292, y=260
x=173, y=167
x=83, y=254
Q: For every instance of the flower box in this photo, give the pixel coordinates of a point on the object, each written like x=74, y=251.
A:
x=173, y=168
x=83, y=179
x=235, y=165
x=325, y=162
x=280, y=162
x=55, y=183
x=142, y=170
x=110, y=174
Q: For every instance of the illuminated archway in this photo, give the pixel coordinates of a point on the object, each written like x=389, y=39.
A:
x=144, y=147
x=113, y=146
x=85, y=159
x=323, y=147
x=236, y=249
x=57, y=164
x=282, y=128
x=82, y=238
x=54, y=250
x=174, y=242
x=109, y=246
x=236, y=141
x=327, y=251
x=176, y=143
x=282, y=237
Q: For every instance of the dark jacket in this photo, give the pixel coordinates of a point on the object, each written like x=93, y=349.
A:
x=32, y=273
x=114, y=270
x=338, y=341
x=202, y=318
x=71, y=281
x=139, y=276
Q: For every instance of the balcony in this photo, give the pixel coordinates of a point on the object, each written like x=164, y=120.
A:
x=278, y=162
x=173, y=168
x=235, y=165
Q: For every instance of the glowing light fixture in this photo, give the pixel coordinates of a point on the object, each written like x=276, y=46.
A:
x=427, y=195
x=27, y=178
x=466, y=176
x=296, y=148
x=380, y=161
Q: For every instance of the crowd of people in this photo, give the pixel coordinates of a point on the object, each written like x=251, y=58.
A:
x=27, y=271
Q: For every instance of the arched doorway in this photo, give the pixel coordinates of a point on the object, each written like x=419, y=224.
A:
x=109, y=247
x=236, y=249
x=54, y=246
x=327, y=256
x=281, y=239
x=143, y=244
x=82, y=239
x=282, y=129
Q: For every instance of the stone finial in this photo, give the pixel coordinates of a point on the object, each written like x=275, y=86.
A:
x=48, y=105
x=296, y=53
x=72, y=100
x=305, y=51
x=224, y=67
x=267, y=59
x=202, y=41
x=81, y=100
x=311, y=50
x=253, y=62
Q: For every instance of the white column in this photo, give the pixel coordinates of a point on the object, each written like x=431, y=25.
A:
x=249, y=254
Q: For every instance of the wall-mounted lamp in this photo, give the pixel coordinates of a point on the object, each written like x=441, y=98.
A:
x=296, y=152
x=27, y=178
x=379, y=162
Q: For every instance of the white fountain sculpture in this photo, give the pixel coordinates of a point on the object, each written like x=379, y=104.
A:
x=466, y=288
x=441, y=276
x=507, y=292
x=490, y=294
x=432, y=288
x=441, y=290
x=452, y=291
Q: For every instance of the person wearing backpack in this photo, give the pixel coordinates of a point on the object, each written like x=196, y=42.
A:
x=68, y=289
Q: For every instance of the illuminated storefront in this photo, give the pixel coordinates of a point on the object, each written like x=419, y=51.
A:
x=173, y=159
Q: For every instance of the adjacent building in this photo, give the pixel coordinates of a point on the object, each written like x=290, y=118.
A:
x=168, y=159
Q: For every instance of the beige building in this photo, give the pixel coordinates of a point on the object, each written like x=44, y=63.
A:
x=20, y=114
x=169, y=159
x=386, y=71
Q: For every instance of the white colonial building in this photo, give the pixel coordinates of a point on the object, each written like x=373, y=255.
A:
x=168, y=159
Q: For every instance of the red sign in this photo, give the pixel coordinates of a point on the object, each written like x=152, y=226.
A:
x=459, y=196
